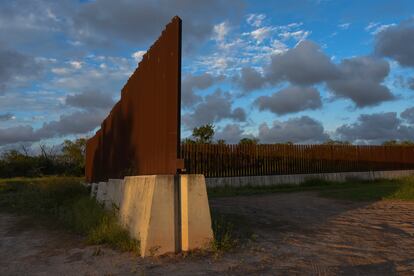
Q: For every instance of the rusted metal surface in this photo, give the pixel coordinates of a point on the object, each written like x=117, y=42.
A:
x=141, y=135
x=215, y=160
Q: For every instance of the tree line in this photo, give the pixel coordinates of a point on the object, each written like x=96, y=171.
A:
x=70, y=160
x=205, y=135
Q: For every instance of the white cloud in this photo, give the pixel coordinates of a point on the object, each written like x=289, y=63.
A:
x=278, y=46
x=138, y=55
x=50, y=14
x=294, y=25
x=255, y=20
x=76, y=64
x=220, y=31
x=371, y=26
x=383, y=27
x=296, y=35
x=60, y=71
x=375, y=27
x=344, y=26
x=261, y=33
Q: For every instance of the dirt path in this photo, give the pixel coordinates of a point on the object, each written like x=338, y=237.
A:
x=296, y=233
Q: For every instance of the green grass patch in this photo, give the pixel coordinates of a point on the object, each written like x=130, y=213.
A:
x=66, y=201
x=355, y=190
x=228, y=191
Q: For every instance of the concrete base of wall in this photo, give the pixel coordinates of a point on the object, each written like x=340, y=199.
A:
x=296, y=179
x=147, y=209
x=196, y=229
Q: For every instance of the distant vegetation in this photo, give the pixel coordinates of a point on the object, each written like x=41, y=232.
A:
x=205, y=135
x=398, y=143
x=69, y=162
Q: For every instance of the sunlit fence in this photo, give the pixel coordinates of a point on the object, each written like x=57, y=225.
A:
x=214, y=160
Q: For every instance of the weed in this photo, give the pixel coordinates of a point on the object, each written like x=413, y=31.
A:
x=224, y=238
x=229, y=231
x=108, y=231
x=405, y=191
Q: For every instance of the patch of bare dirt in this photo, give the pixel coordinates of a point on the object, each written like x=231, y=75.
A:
x=295, y=233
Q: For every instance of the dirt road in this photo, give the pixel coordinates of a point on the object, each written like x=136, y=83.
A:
x=294, y=233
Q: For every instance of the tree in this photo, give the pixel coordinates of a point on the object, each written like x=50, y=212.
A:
x=248, y=141
x=407, y=143
x=188, y=141
x=221, y=141
x=396, y=143
x=336, y=142
x=73, y=154
x=204, y=134
x=390, y=143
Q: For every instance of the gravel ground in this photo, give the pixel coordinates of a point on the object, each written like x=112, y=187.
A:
x=294, y=233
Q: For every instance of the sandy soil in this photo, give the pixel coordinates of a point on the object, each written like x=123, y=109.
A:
x=295, y=233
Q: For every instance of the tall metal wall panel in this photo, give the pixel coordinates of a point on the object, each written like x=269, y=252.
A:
x=141, y=135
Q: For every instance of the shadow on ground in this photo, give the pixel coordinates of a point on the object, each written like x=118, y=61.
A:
x=290, y=233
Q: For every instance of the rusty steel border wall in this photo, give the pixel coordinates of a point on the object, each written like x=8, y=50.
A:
x=141, y=134
x=215, y=160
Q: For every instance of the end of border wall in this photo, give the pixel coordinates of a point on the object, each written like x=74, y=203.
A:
x=146, y=208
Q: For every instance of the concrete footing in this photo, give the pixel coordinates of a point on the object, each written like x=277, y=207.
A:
x=196, y=229
x=295, y=179
x=147, y=206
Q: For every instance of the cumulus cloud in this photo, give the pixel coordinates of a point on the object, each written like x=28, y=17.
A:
x=90, y=100
x=31, y=22
x=213, y=108
x=291, y=99
x=297, y=130
x=191, y=83
x=375, y=128
x=142, y=21
x=17, y=134
x=102, y=73
x=249, y=79
x=360, y=80
x=16, y=68
x=396, y=42
x=138, y=55
x=304, y=64
x=231, y=133
x=75, y=123
x=408, y=115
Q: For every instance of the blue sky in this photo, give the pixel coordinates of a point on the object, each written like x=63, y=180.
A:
x=302, y=70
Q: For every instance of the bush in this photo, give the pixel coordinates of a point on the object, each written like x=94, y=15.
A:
x=224, y=237
x=70, y=162
x=229, y=230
